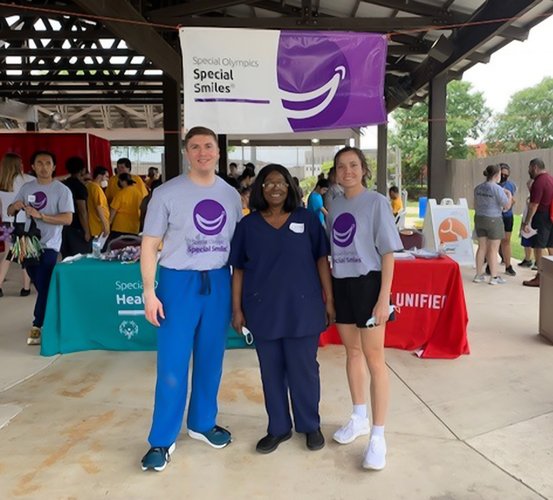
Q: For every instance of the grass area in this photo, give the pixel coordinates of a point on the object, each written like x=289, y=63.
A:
x=516, y=248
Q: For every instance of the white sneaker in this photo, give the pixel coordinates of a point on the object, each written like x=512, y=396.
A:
x=479, y=278
x=375, y=454
x=357, y=426
x=498, y=280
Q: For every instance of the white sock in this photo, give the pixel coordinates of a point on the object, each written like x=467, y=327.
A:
x=377, y=430
x=360, y=410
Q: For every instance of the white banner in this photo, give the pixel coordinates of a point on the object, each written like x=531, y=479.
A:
x=243, y=81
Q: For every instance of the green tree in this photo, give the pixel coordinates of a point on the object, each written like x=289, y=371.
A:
x=466, y=115
x=527, y=122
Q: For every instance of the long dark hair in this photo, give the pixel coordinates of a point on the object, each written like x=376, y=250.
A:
x=258, y=201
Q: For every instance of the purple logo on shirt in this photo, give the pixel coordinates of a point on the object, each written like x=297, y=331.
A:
x=40, y=200
x=343, y=230
x=209, y=217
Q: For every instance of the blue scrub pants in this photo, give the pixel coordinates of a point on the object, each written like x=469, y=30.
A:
x=197, y=306
x=41, y=275
x=290, y=363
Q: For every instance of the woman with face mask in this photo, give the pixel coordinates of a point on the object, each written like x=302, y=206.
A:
x=97, y=203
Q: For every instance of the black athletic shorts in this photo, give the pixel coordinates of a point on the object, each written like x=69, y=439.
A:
x=355, y=298
x=508, y=223
x=541, y=222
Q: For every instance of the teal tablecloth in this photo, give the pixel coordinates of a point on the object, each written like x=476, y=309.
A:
x=94, y=304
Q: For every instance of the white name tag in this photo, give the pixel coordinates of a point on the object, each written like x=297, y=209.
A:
x=297, y=227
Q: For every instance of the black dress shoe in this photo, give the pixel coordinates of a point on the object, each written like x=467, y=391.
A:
x=270, y=443
x=24, y=292
x=315, y=440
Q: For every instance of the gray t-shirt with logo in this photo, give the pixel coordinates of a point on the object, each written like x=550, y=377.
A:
x=489, y=199
x=362, y=230
x=196, y=223
x=49, y=199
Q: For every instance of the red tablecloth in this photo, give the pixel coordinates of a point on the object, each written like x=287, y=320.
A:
x=432, y=313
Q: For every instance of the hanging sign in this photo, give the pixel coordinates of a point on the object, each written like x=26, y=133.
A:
x=243, y=81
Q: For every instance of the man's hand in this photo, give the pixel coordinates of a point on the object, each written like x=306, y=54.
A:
x=33, y=212
x=16, y=206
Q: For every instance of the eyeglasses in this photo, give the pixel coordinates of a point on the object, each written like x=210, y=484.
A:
x=272, y=185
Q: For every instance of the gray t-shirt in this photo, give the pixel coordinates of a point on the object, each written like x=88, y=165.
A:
x=49, y=199
x=196, y=223
x=489, y=199
x=362, y=230
x=334, y=191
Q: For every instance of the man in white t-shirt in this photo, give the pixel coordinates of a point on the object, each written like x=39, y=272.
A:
x=194, y=216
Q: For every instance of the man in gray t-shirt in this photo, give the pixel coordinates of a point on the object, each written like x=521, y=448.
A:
x=193, y=217
x=50, y=204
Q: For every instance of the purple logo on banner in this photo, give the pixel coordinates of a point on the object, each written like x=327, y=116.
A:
x=331, y=80
x=343, y=230
x=209, y=217
x=40, y=200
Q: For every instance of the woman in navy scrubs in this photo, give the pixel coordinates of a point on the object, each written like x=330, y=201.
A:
x=279, y=255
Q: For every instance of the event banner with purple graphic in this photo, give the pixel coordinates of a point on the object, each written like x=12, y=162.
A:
x=241, y=81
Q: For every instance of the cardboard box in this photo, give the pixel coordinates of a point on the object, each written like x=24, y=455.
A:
x=546, y=297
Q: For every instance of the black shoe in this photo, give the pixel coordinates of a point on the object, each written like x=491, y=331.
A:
x=24, y=292
x=315, y=440
x=525, y=263
x=1, y=293
x=510, y=271
x=488, y=271
x=269, y=443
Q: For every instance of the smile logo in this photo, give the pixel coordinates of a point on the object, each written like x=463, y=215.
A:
x=209, y=217
x=315, y=90
x=40, y=200
x=343, y=230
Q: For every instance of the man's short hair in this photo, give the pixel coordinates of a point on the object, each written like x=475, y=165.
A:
x=75, y=165
x=537, y=162
x=41, y=152
x=322, y=183
x=194, y=131
x=393, y=189
x=504, y=166
x=99, y=170
x=126, y=162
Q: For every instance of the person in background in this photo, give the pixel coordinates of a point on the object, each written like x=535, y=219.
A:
x=539, y=214
x=250, y=167
x=146, y=202
x=245, y=199
x=153, y=175
x=11, y=180
x=395, y=200
x=315, y=200
x=233, y=170
x=299, y=189
x=76, y=237
x=334, y=190
x=363, y=239
x=97, y=203
x=246, y=178
x=194, y=215
x=526, y=243
x=124, y=166
x=280, y=268
x=50, y=204
x=508, y=218
x=490, y=199
x=124, y=210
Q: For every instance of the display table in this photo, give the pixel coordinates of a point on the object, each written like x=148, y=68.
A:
x=94, y=304
x=432, y=314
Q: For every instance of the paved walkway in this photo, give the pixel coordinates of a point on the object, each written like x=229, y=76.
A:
x=478, y=427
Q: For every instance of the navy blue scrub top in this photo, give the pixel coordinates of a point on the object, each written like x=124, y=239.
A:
x=282, y=294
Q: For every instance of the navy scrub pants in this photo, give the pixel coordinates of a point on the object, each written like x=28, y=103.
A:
x=290, y=364
x=197, y=306
x=41, y=275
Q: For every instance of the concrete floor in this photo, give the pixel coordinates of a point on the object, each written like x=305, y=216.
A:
x=478, y=427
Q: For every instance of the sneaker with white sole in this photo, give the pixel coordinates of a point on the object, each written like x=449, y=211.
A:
x=157, y=457
x=216, y=437
x=498, y=280
x=34, y=336
x=375, y=454
x=357, y=426
x=479, y=278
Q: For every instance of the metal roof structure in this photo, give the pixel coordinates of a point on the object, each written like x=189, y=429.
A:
x=100, y=64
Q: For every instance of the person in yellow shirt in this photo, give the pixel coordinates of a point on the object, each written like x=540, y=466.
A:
x=125, y=208
x=124, y=166
x=395, y=200
x=97, y=203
